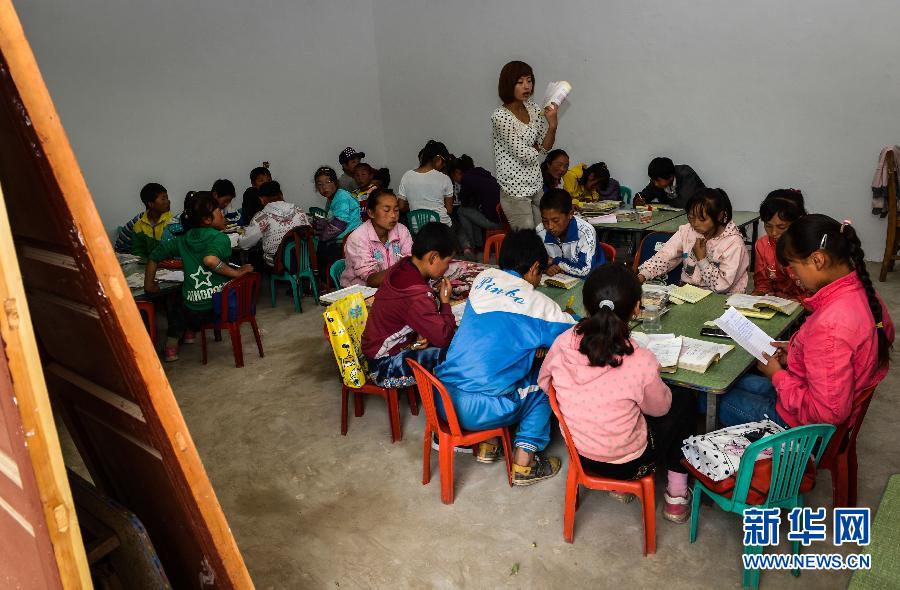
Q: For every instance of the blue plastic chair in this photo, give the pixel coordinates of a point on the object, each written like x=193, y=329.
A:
x=419, y=217
x=300, y=261
x=651, y=243
x=625, y=194
x=337, y=269
x=791, y=451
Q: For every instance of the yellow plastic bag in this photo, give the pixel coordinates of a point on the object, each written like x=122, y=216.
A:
x=345, y=320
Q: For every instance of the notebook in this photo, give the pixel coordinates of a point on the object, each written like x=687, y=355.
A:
x=699, y=355
x=563, y=281
x=666, y=348
x=761, y=304
x=330, y=298
x=689, y=293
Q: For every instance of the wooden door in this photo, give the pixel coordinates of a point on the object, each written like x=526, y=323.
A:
x=100, y=366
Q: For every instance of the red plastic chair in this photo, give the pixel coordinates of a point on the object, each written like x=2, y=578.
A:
x=840, y=455
x=146, y=308
x=449, y=433
x=503, y=220
x=642, y=488
x=245, y=292
x=492, y=248
x=390, y=396
x=609, y=250
x=488, y=233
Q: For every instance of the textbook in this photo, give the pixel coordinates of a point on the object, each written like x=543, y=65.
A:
x=556, y=93
x=699, y=355
x=561, y=280
x=688, y=293
x=665, y=347
x=761, y=306
x=332, y=297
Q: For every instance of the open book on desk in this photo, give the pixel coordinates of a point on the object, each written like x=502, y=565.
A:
x=761, y=306
x=747, y=334
x=560, y=280
x=665, y=347
x=688, y=293
x=681, y=352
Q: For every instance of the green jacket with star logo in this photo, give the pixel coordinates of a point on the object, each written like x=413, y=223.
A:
x=199, y=282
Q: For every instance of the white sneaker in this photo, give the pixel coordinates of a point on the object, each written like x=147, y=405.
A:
x=437, y=447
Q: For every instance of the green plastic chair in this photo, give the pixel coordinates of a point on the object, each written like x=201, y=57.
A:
x=337, y=269
x=625, y=194
x=304, y=271
x=791, y=452
x=420, y=217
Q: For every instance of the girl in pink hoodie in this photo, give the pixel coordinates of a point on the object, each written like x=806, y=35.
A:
x=843, y=347
x=709, y=247
x=623, y=419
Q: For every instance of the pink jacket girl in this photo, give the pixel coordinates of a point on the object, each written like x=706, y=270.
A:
x=377, y=244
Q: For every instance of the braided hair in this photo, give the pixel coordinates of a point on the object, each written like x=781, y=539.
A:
x=610, y=293
x=820, y=232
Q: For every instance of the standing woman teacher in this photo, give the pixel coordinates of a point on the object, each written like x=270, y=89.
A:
x=522, y=135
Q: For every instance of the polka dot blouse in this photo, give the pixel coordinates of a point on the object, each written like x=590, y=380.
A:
x=518, y=161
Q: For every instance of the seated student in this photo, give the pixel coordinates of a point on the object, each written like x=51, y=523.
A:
x=224, y=193
x=125, y=236
x=479, y=194
x=270, y=225
x=427, y=187
x=368, y=179
x=149, y=228
x=349, y=159
x=250, y=204
x=378, y=244
x=841, y=349
x=204, y=251
x=407, y=320
x=342, y=216
x=490, y=371
x=554, y=167
x=709, y=247
x=778, y=211
x=571, y=242
x=669, y=184
x=591, y=183
x=623, y=419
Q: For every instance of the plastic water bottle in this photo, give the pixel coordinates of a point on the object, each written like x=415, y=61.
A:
x=652, y=319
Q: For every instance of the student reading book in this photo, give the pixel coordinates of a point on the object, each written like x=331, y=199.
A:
x=843, y=347
x=709, y=247
x=778, y=211
x=623, y=419
x=570, y=241
x=669, y=184
x=591, y=183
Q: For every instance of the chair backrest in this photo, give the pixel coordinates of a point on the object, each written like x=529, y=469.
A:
x=649, y=246
x=419, y=217
x=296, y=252
x=574, y=460
x=846, y=433
x=239, y=297
x=625, y=193
x=427, y=383
x=502, y=217
x=492, y=246
x=791, y=451
x=337, y=269
x=609, y=250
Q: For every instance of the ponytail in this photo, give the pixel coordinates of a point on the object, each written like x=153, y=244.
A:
x=610, y=293
x=857, y=259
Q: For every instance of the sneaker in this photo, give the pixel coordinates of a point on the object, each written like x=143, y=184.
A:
x=542, y=468
x=623, y=498
x=170, y=354
x=488, y=453
x=189, y=337
x=677, y=508
x=437, y=447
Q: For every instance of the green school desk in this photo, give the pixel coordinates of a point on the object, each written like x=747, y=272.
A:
x=165, y=287
x=635, y=230
x=687, y=320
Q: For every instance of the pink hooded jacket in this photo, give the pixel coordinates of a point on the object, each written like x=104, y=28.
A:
x=366, y=255
x=604, y=407
x=724, y=270
x=832, y=358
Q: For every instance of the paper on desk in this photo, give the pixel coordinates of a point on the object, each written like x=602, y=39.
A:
x=135, y=280
x=746, y=334
x=171, y=276
x=611, y=218
x=665, y=347
x=556, y=93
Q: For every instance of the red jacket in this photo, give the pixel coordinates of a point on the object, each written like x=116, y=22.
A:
x=832, y=358
x=405, y=308
x=770, y=278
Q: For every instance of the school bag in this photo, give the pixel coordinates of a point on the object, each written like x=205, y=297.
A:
x=345, y=320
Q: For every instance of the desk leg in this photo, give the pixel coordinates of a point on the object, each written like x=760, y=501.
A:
x=712, y=413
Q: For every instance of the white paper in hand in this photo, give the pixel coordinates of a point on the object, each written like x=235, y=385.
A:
x=556, y=93
x=746, y=334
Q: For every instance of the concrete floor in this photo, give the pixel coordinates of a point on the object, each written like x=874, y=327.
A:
x=313, y=509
